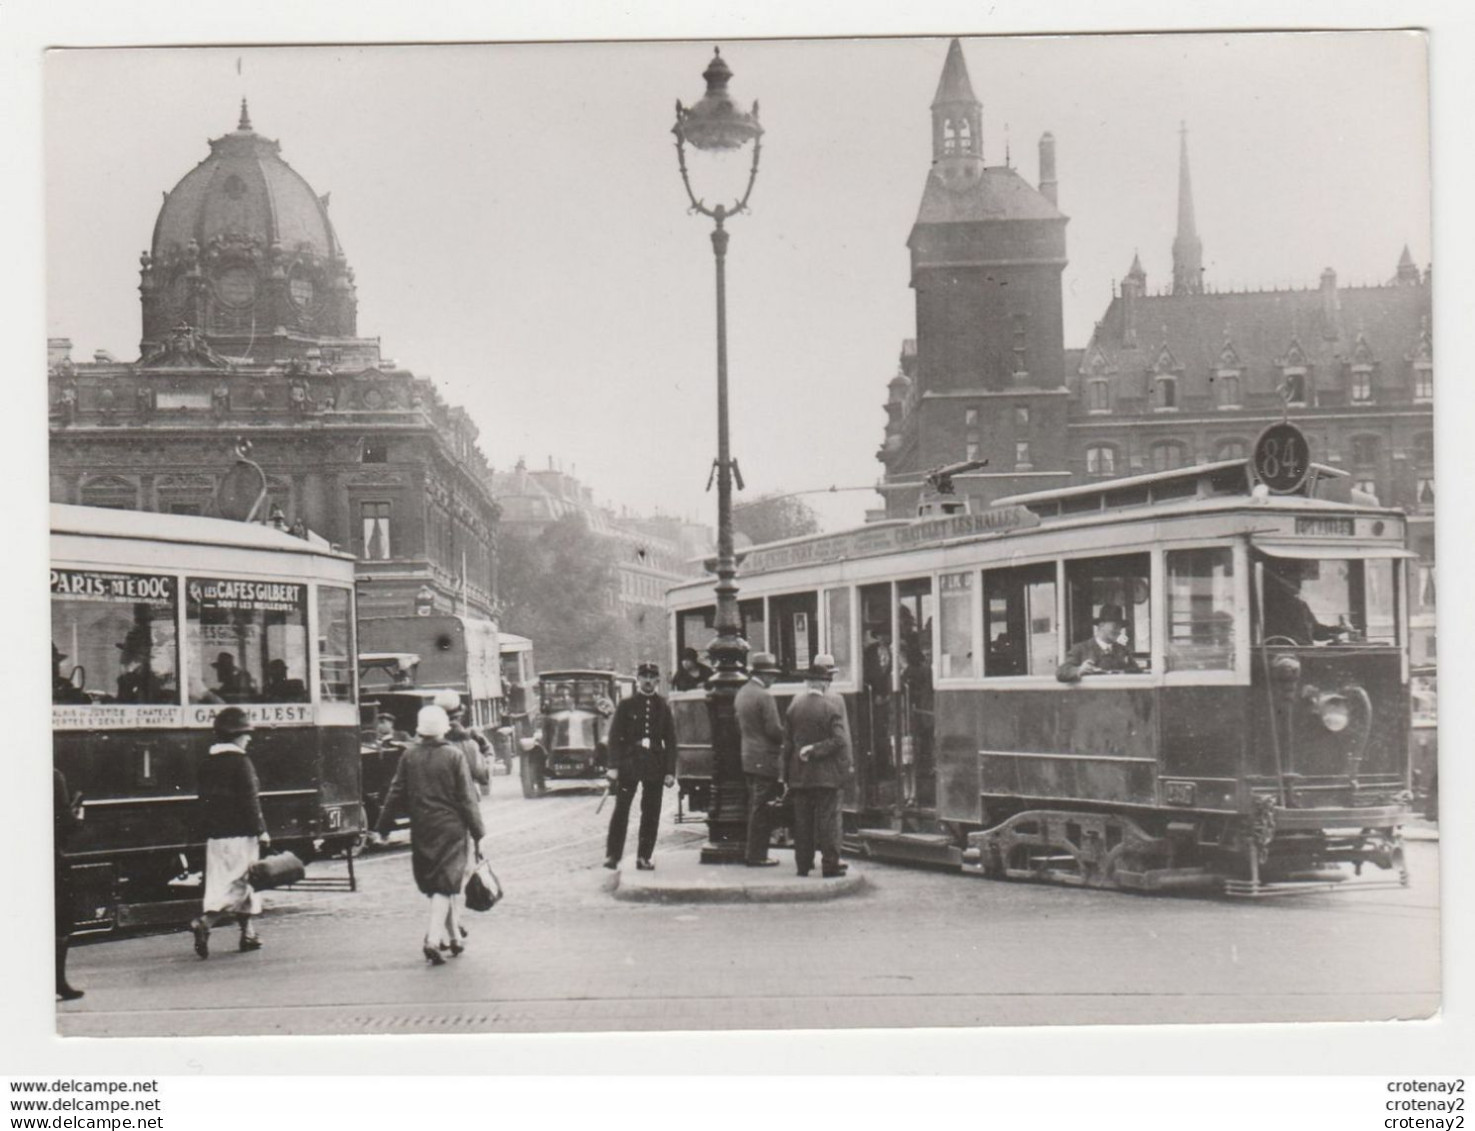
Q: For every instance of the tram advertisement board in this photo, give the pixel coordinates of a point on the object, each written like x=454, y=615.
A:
x=885, y=539
x=1281, y=459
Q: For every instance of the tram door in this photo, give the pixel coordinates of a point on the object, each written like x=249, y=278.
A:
x=877, y=767
x=912, y=704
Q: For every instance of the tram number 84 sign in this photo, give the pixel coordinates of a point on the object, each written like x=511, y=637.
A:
x=1281, y=459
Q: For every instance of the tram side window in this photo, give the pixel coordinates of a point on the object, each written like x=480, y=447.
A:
x=794, y=630
x=114, y=638
x=955, y=614
x=246, y=641
x=695, y=629
x=1200, y=610
x=335, y=645
x=837, y=630
x=1019, y=630
x=1108, y=588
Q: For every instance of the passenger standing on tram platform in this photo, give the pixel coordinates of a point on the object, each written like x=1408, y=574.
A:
x=433, y=784
x=762, y=748
x=234, y=829
x=642, y=752
x=815, y=764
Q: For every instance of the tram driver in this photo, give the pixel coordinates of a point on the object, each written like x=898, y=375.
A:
x=1287, y=615
x=1101, y=652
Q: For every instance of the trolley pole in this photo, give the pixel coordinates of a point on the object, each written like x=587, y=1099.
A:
x=716, y=124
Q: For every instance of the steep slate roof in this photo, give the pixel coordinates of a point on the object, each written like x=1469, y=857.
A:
x=1261, y=326
x=999, y=194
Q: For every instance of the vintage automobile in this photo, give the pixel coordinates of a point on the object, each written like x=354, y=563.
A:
x=569, y=742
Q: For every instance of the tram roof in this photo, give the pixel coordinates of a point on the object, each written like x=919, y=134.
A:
x=105, y=522
x=1200, y=489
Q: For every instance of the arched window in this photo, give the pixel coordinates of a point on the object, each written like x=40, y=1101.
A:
x=111, y=491
x=1169, y=454
x=1230, y=449
x=1101, y=460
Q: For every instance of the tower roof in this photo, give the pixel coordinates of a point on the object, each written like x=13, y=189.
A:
x=245, y=191
x=999, y=193
x=954, y=86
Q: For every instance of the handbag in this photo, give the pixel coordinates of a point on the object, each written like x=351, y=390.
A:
x=278, y=870
x=482, y=889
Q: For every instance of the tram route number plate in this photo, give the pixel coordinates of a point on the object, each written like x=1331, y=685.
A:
x=1281, y=459
x=1323, y=526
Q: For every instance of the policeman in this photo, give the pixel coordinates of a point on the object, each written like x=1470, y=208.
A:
x=642, y=750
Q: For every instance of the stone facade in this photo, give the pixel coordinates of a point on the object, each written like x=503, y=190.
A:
x=249, y=333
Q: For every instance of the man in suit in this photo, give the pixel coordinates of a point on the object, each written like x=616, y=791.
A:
x=815, y=764
x=763, y=741
x=642, y=751
x=1101, y=652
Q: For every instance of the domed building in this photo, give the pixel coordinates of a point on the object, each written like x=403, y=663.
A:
x=249, y=320
x=244, y=251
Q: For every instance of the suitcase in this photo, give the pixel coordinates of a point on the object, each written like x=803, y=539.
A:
x=275, y=871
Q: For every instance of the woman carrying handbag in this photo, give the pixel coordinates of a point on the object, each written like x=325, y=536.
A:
x=433, y=785
x=235, y=831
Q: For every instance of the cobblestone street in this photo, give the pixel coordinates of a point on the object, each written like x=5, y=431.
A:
x=914, y=948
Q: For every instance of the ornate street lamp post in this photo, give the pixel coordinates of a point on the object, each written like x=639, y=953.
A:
x=715, y=125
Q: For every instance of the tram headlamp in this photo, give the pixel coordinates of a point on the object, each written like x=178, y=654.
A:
x=1333, y=711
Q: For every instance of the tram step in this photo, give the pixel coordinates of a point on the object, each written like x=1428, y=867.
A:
x=922, y=848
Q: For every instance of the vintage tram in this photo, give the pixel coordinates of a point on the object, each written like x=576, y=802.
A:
x=1256, y=741
x=157, y=621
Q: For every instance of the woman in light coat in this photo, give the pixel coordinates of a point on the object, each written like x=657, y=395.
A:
x=433, y=785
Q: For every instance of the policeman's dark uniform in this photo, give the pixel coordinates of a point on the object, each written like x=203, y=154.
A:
x=642, y=748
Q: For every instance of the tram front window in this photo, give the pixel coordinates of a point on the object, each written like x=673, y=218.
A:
x=1200, y=609
x=335, y=646
x=247, y=640
x=1310, y=601
x=113, y=638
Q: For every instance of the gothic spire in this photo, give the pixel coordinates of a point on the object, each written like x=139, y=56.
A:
x=1188, y=249
x=957, y=115
x=244, y=125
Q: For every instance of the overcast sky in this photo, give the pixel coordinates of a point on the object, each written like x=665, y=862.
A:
x=518, y=229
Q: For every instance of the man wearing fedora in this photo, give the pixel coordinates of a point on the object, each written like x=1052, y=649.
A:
x=1102, y=652
x=763, y=742
x=815, y=763
x=642, y=752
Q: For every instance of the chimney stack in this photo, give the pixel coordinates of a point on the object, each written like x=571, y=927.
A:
x=1048, y=184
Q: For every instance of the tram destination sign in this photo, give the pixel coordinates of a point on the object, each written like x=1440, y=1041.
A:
x=866, y=543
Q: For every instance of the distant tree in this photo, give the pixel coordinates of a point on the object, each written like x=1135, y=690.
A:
x=558, y=587
x=771, y=517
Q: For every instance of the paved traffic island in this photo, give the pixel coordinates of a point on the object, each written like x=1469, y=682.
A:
x=681, y=877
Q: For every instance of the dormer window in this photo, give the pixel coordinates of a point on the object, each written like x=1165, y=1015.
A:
x=1227, y=389
x=1423, y=382
x=1360, y=386
x=1165, y=393
x=1098, y=396
x=1294, y=386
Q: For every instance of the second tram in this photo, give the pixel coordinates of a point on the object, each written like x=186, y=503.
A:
x=1256, y=739
x=157, y=621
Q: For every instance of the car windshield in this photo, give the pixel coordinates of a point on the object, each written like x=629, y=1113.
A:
x=566, y=694
x=574, y=732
